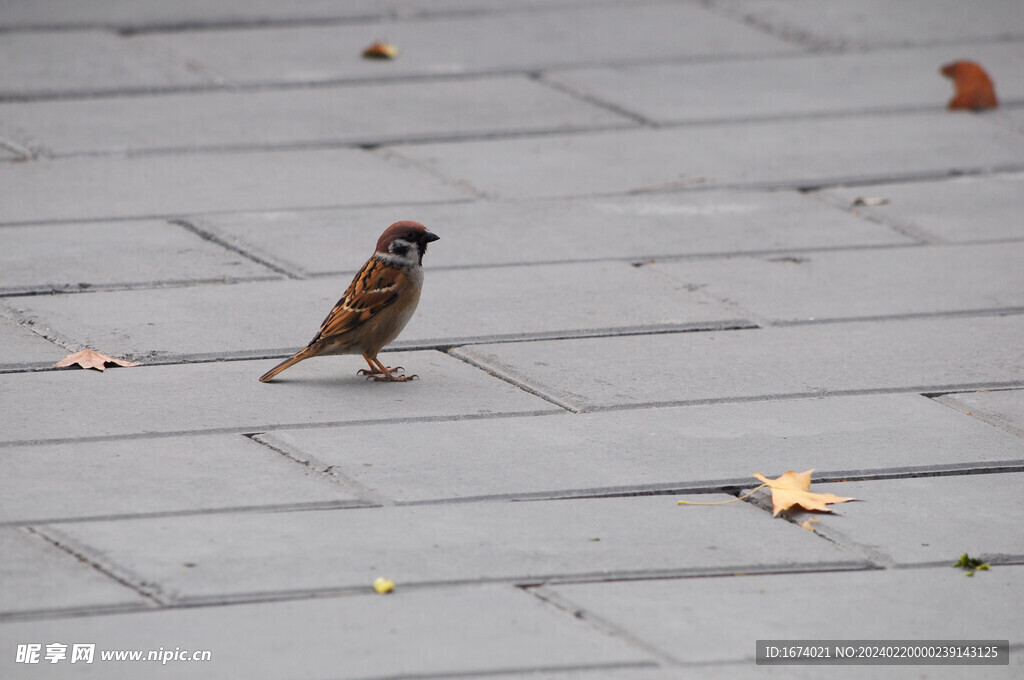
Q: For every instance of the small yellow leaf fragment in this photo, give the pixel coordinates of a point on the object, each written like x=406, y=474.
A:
x=88, y=358
x=380, y=50
x=792, y=488
x=383, y=585
x=809, y=523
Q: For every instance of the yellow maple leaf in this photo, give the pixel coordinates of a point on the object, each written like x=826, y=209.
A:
x=88, y=358
x=792, y=489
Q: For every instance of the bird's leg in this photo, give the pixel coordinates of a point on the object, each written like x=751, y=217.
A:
x=384, y=373
x=374, y=370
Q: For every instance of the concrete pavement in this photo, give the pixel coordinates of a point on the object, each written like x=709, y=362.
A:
x=654, y=279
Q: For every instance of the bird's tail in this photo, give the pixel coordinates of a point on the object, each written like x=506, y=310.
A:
x=303, y=353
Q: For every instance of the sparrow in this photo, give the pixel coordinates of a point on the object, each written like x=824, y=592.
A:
x=376, y=306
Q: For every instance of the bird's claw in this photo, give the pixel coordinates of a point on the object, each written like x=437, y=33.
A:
x=393, y=378
x=389, y=374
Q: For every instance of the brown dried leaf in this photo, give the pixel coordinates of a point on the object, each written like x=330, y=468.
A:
x=380, y=50
x=88, y=358
x=974, y=89
x=792, y=489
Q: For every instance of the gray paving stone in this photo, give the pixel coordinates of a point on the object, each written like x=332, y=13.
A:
x=442, y=632
x=925, y=604
x=1004, y=409
x=83, y=188
x=37, y=575
x=794, y=85
x=657, y=448
x=22, y=346
x=863, y=283
x=637, y=227
x=458, y=306
x=47, y=63
x=1009, y=118
x=926, y=520
x=367, y=114
x=770, y=153
x=913, y=355
x=876, y=22
x=75, y=404
x=963, y=210
x=168, y=474
x=240, y=556
x=479, y=43
x=79, y=256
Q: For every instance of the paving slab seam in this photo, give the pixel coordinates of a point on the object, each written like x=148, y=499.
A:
x=389, y=14
x=901, y=226
x=654, y=258
x=819, y=183
x=738, y=484
x=74, y=613
x=258, y=429
x=76, y=289
x=28, y=322
x=237, y=509
x=871, y=554
x=948, y=314
x=85, y=555
x=528, y=583
x=510, y=672
x=225, y=211
x=995, y=420
x=992, y=559
x=370, y=79
x=593, y=100
x=390, y=155
x=734, y=486
x=193, y=228
x=935, y=395
x=383, y=78
x=910, y=389
x=365, y=144
x=22, y=154
x=681, y=186
x=516, y=581
x=601, y=624
x=330, y=472
x=519, y=382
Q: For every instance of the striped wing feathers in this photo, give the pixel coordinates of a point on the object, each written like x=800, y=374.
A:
x=374, y=288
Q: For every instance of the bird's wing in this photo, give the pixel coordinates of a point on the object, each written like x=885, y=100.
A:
x=374, y=288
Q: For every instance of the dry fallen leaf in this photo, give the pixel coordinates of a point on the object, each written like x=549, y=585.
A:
x=792, y=489
x=383, y=585
x=380, y=50
x=974, y=89
x=88, y=358
x=809, y=523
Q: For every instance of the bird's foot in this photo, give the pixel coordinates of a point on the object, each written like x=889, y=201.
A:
x=389, y=374
x=391, y=377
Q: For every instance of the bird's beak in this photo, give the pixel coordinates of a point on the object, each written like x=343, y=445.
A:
x=430, y=236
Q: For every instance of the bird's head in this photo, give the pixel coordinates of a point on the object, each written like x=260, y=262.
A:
x=406, y=242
